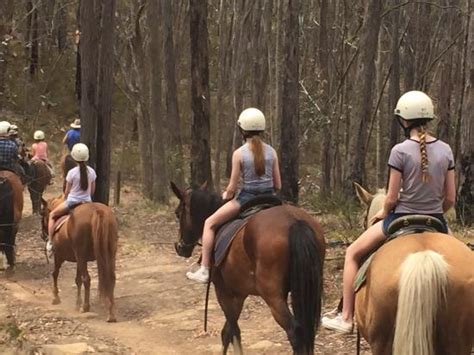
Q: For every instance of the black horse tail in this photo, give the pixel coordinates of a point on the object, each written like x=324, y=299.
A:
x=6, y=218
x=306, y=278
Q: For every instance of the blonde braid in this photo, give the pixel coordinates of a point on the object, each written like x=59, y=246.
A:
x=424, y=155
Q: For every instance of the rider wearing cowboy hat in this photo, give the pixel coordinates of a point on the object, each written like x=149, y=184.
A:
x=73, y=135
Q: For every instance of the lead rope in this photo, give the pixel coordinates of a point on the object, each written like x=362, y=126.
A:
x=358, y=342
x=207, y=299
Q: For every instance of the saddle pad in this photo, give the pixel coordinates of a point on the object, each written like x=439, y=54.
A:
x=362, y=274
x=224, y=237
x=60, y=221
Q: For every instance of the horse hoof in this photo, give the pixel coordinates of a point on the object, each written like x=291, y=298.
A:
x=9, y=271
x=56, y=301
x=85, y=309
x=112, y=320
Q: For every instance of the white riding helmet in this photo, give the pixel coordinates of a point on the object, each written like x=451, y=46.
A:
x=80, y=152
x=38, y=135
x=13, y=130
x=414, y=105
x=4, y=127
x=251, y=119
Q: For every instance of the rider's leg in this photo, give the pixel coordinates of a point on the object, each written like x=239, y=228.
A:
x=222, y=215
x=367, y=242
x=59, y=211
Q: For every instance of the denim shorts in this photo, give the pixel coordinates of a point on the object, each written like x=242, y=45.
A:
x=393, y=216
x=71, y=204
x=246, y=195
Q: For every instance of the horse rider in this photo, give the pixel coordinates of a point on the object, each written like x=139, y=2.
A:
x=39, y=150
x=256, y=164
x=80, y=187
x=421, y=181
x=9, y=151
x=73, y=135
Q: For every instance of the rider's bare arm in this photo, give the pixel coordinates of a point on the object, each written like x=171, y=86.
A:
x=93, y=188
x=449, y=190
x=235, y=174
x=394, y=184
x=276, y=173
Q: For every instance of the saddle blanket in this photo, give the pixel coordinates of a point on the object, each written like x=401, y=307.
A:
x=225, y=236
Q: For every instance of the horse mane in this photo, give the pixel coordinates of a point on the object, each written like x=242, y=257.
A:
x=203, y=204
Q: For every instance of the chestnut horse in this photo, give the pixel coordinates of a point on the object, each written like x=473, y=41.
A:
x=419, y=293
x=279, y=250
x=11, y=208
x=40, y=178
x=89, y=234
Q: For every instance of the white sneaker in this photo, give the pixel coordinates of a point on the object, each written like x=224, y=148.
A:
x=337, y=324
x=200, y=275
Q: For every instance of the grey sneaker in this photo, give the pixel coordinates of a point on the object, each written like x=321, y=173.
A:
x=337, y=323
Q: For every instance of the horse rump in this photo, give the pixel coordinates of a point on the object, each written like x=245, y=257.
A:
x=305, y=278
x=7, y=238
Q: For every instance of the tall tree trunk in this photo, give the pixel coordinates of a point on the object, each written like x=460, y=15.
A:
x=222, y=117
x=104, y=101
x=200, y=94
x=290, y=96
x=394, y=83
x=89, y=49
x=324, y=80
x=34, y=50
x=61, y=26
x=6, y=22
x=465, y=201
x=172, y=109
x=363, y=103
x=158, y=128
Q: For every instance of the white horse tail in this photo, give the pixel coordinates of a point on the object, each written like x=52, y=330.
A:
x=422, y=292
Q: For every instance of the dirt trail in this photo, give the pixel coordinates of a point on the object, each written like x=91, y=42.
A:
x=159, y=311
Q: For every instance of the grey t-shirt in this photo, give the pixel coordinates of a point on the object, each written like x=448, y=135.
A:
x=417, y=196
x=251, y=181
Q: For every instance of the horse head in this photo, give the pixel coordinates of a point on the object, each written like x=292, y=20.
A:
x=195, y=205
x=373, y=202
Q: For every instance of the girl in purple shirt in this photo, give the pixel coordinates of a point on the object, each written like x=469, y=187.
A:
x=423, y=167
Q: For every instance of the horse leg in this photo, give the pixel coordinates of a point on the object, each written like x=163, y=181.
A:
x=57, y=265
x=79, y=285
x=232, y=307
x=10, y=253
x=86, y=280
x=112, y=317
x=281, y=313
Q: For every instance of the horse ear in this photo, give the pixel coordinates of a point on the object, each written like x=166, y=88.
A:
x=203, y=186
x=179, y=194
x=363, y=195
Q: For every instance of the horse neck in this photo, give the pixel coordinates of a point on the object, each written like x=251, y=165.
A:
x=204, y=206
x=376, y=204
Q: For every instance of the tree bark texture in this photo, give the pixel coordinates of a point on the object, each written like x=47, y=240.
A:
x=394, y=83
x=364, y=97
x=465, y=201
x=6, y=22
x=289, y=140
x=200, y=95
x=172, y=109
x=158, y=126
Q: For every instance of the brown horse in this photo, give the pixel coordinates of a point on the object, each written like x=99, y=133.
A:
x=419, y=294
x=89, y=234
x=40, y=178
x=280, y=250
x=11, y=208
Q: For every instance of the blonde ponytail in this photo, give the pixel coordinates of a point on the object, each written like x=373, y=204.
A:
x=256, y=147
x=424, y=155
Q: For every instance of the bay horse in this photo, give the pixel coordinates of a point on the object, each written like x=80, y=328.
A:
x=89, y=234
x=418, y=298
x=279, y=251
x=11, y=208
x=40, y=178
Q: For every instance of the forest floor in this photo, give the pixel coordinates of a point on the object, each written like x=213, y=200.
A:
x=159, y=310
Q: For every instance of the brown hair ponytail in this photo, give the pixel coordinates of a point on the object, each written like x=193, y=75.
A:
x=256, y=147
x=84, y=178
x=424, y=155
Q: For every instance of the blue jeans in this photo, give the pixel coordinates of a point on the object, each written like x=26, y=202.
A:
x=393, y=216
x=246, y=195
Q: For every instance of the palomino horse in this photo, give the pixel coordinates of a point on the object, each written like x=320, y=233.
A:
x=89, y=234
x=11, y=208
x=40, y=178
x=419, y=293
x=279, y=250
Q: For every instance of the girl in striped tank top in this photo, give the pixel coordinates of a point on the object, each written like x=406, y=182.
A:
x=256, y=165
